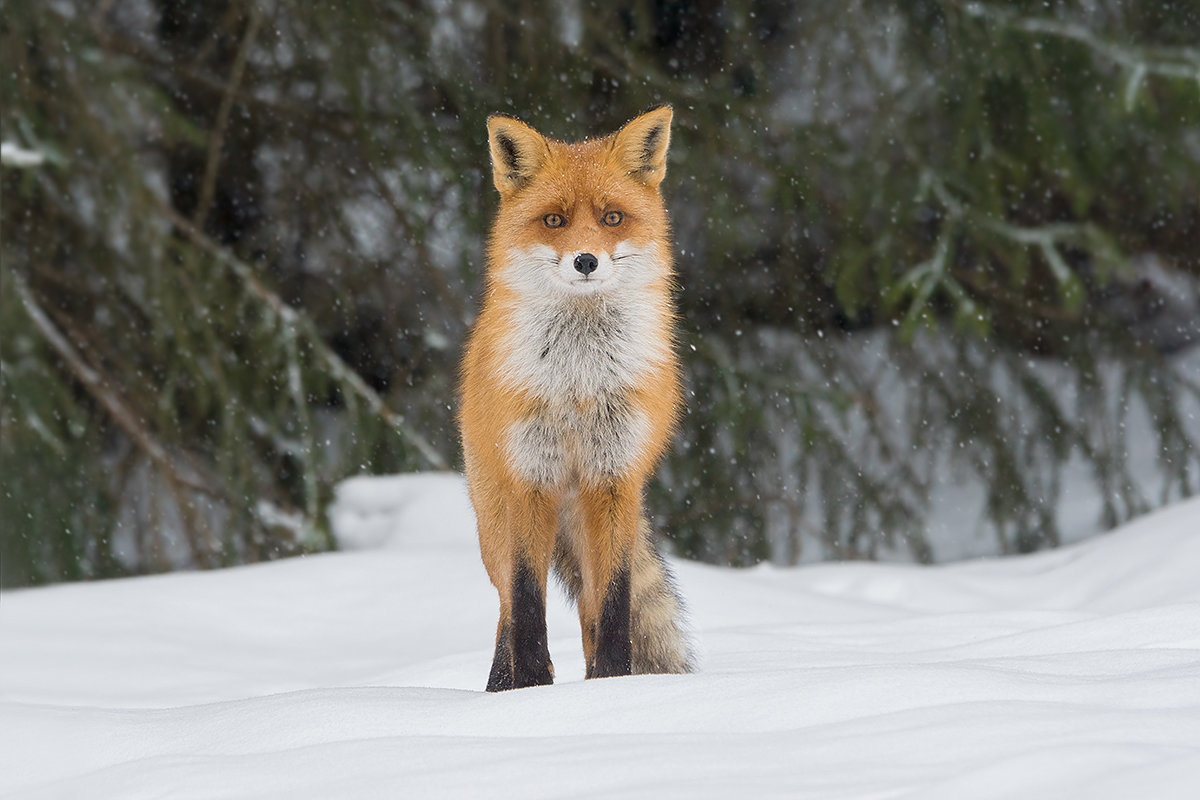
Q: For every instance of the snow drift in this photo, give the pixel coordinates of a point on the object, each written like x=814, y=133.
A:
x=357, y=674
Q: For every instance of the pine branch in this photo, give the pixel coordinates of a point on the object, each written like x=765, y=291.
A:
x=292, y=319
x=98, y=386
x=1168, y=62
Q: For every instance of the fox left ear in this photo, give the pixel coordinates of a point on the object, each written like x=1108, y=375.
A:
x=641, y=146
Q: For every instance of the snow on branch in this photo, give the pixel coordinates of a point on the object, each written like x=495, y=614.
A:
x=14, y=155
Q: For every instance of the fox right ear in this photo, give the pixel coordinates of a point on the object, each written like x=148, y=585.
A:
x=518, y=152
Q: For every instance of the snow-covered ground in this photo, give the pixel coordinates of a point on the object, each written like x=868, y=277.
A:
x=357, y=674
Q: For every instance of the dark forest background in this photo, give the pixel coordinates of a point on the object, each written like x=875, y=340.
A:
x=242, y=243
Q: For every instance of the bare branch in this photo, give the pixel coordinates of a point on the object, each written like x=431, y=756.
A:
x=216, y=138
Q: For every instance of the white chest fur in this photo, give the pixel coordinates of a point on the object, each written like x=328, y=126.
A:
x=593, y=442
x=580, y=349
x=579, y=356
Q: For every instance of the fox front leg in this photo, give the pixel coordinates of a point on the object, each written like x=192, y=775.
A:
x=611, y=515
x=522, y=656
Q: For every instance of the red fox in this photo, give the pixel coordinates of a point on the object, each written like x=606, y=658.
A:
x=570, y=391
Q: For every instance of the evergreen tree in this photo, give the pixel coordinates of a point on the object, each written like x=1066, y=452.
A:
x=242, y=242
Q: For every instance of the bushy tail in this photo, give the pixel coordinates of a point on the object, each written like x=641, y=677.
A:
x=658, y=633
x=660, y=638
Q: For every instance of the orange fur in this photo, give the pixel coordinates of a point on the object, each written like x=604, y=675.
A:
x=539, y=432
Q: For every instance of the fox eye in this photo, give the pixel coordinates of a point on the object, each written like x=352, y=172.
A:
x=613, y=218
x=554, y=220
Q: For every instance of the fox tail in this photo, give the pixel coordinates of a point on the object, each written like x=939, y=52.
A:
x=658, y=632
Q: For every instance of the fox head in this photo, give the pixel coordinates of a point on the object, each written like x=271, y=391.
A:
x=580, y=219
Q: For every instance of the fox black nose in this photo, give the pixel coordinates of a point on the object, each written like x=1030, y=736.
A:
x=586, y=263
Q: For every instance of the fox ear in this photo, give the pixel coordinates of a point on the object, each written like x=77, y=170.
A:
x=641, y=146
x=518, y=152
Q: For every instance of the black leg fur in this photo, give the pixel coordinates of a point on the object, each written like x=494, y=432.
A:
x=530, y=655
x=614, y=653
x=501, y=677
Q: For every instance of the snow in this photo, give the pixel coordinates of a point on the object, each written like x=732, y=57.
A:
x=1071, y=673
x=14, y=155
